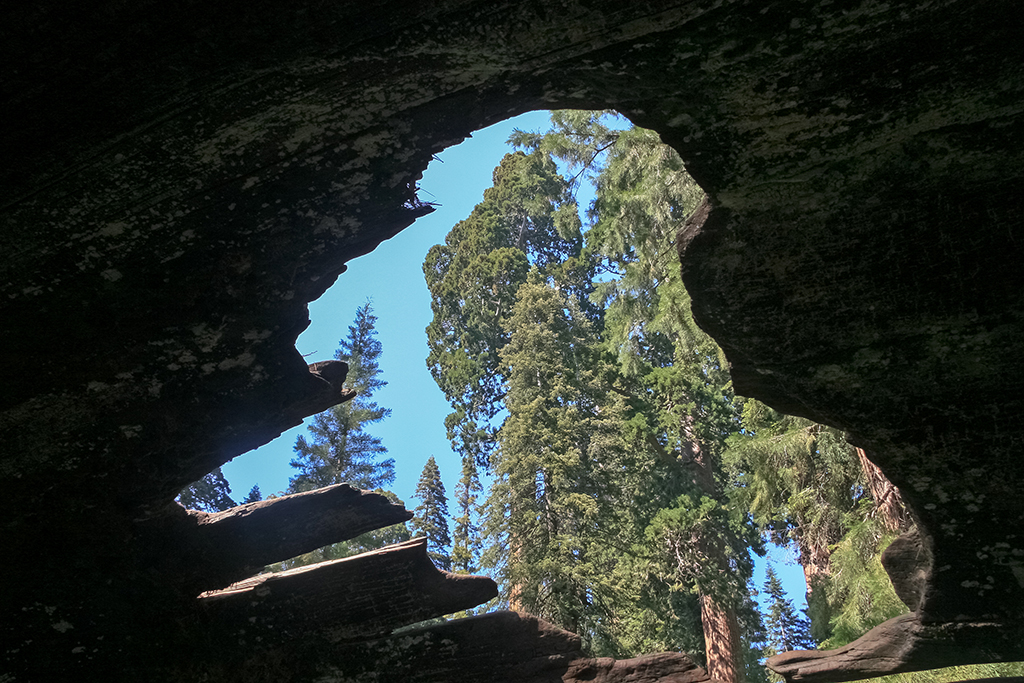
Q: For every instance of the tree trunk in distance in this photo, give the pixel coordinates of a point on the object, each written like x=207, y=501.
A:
x=888, y=501
x=719, y=622
x=814, y=560
x=721, y=640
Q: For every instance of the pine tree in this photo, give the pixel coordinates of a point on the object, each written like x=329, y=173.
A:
x=431, y=516
x=674, y=372
x=753, y=638
x=645, y=541
x=802, y=482
x=688, y=482
x=253, y=496
x=340, y=449
x=785, y=629
x=212, y=493
x=466, y=540
x=859, y=593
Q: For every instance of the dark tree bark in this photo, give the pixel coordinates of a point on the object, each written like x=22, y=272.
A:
x=356, y=597
x=901, y=645
x=232, y=545
x=503, y=646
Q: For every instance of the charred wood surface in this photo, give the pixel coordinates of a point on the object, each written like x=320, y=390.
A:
x=356, y=597
x=181, y=180
x=239, y=542
x=499, y=647
x=901, y=645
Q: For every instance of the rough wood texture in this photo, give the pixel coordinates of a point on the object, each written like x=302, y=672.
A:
x=530, y=651
x=235, y=544
x=180, y=180
x=908, y=562
x=889, y=506
x=900, y=645
x=357, y=597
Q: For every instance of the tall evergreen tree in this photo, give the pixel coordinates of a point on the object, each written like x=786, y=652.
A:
x=664, y=422
x=753, y=638
x=340, y=449
x=254, y=495
x=212, y=493
x=674, y=374
x=785, y=629
x=431, y=516
x=802, y=482
x=688, y=482
x=545, y=502
x=466, y=541
x=526, y=219
x=858, y=590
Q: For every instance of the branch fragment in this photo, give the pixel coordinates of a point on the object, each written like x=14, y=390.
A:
x=237, y=543
x=341, y=600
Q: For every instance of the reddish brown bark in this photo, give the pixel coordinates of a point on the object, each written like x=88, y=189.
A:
x=815, y=561
x=499, y=646
x=902, y=644
x=718, y=620
x=342, y=600
x=721, y=640
x=889, y=506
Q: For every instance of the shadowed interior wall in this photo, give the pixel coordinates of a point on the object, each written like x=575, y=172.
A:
x=179, y=181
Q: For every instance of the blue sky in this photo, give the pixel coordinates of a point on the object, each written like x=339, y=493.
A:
x=392, y=278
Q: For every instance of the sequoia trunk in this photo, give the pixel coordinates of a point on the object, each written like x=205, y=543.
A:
x=888, y=501
x=718, y=620
x=721, y=640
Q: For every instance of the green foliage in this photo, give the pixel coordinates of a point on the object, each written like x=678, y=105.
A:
x=645, y=611
x=527, y=219
x=545, y=503
x=954, y=674
x=578, y=138
x=627, y=482
x=858, y=588
x=466, y=540
x=340, y=449
x=212, y=493
x=753, y=637
x=431, y=516
x=800, y=482
x=666, y=405
x=607, y=487
x=254, y=495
